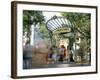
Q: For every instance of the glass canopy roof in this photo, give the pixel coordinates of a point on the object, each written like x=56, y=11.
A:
x=61, y=25
x=57, y=22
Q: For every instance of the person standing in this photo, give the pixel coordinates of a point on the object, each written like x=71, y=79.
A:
x=62, y=53
x=27, y=55
x=54, y=56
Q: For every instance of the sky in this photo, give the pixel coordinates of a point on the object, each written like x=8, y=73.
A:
x=48, y=15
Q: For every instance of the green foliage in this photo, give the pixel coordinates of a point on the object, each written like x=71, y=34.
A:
x=80, y=20
x=31, y=18
x=43, y=31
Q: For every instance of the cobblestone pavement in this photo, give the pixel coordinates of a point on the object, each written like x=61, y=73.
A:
x=62, y=65
x=72, y=64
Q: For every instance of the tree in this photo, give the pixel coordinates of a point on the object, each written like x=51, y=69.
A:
x=43, y=31
x=80, y=20
x=31, y=18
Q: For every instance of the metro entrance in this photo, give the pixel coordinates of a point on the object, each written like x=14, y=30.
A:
x=63, y=33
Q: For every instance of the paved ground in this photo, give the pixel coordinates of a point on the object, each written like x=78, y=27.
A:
x=68, y=65
x=62, y=65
